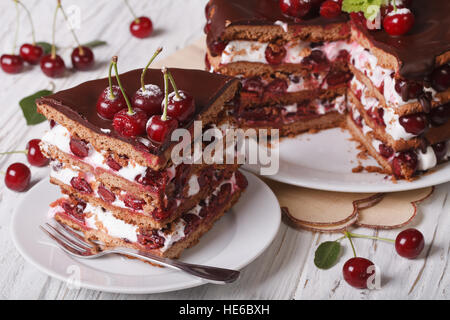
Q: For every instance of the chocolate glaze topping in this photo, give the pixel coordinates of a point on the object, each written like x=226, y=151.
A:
x=418, y=49
x=79, y=103
x=255, y=12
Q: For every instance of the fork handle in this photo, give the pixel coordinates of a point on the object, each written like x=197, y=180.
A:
x=210, y=274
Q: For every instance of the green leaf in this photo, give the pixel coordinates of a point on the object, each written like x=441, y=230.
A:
x=95, y=43
x=370, y=8
x=327, y=254
x=28, y=106
x=46, y=46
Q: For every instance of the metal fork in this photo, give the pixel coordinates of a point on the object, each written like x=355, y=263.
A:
x=74, y=244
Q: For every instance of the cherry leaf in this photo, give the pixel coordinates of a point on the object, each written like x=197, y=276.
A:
x=327, y=254
x=47, y=47
x=28, y=106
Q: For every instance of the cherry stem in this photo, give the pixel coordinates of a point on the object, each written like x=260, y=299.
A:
x=54, y=30
x=30, y=19
x=349, y=236
x=166, y=94
x=130, y=109
x=111, y=93
x=172, y=81
x=395, y=5
x=80, y=48
x=354, y=235
x=13, y=152
x=131, y=10
x=16, y=34
x=148, y=65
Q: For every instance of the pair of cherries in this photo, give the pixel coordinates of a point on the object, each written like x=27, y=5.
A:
x=18, y=175
x=146, y=112
x=302, y=8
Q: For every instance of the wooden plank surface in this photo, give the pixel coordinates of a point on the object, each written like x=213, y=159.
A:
x=286, y=269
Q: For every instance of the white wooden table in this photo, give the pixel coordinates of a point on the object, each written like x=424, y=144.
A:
x=286, y=269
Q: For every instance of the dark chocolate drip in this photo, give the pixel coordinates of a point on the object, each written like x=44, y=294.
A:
x=255, y=12
x=79, y=103
x=417, y=50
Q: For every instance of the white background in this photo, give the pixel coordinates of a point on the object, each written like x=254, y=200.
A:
x=286, y=269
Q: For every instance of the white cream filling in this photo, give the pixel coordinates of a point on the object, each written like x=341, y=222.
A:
x=367, y=63
x=194, y=187
x=254, y=51
x=59, y=137
x=426, y=160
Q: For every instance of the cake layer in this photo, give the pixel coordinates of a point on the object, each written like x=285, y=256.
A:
x=405, y=164
x=134, y=206
x=389, y=126
x=263, y=21
x=97, y=223
x=75, y=109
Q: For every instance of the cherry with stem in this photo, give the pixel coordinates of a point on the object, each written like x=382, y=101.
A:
x=30, y=53
x=150, y=96
x=13, y=63
x=181, y=105
x=128, y=122
x=140, y=27
x=17, y=177
x=82, y=57
x=52, y=64
x=111, y=100
x=159, y=127
x=33, y=152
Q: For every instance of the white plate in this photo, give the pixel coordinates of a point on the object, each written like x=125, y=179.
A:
x=234, y=241
x=324, y=161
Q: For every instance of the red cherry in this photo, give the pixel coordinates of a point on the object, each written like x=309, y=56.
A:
x=275, y=54
x=149, y=100
x=17, y=177
x=107, y=107
x=330, y=9
x=11, y=63
x=159, y=130
x=53, y=67
x=408, y=89
x=34, y=154
x=440, y=149
x=182, y=108
x=52, y=124
x=406, y=159
x=409, y=243
x=385, y=151
x=440, y=78
x=253, y=84
x=356, y=272
x=79, y=148
x=277, y=86
x=207, y=27
x=130, y=125
x=82, y=59
x=150, y=241
x=134, y=203
x=316, y=61
x=31, y=53
x=397, y=24
x=217, y=47
x=141, y=27
x=81, y=185
x=106, y=194
x=414, y=123
x=295, y=8
x=336, y=77
x=113, y=164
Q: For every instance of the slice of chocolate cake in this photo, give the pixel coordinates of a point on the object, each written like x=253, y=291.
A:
x=112, y=178
x=399, y=96
x=293, y=71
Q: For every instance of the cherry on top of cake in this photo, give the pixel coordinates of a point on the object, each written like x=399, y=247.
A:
x=227, y=13
x=425, y=46
x=79, y=103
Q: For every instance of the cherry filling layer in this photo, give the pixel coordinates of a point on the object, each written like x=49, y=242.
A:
x=404, y=163
x=88, y=217
x=277, y=115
